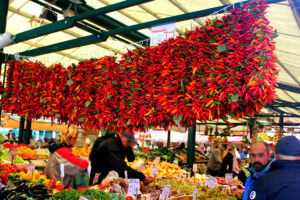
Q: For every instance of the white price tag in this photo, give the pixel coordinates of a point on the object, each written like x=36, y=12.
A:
x=134, y=186
x=96, y=177
x=156, y=161
x=2, y=185
x=126, y=174
x=229, y=177
x=195, y=193
x=211, y=182
x=154, y=171
x=194, y=167
x=82, y=198
x=165, y=193
x=62, y=170
x=89, y=170
x=12, y=154
x=141, y=167
x=31, y=168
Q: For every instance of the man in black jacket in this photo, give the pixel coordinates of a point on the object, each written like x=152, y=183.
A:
x=282, y=181
x=109, y=154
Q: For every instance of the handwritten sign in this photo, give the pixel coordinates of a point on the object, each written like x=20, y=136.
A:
x=12, y=154
x=154, y=171
x=195, y=193
x=62, y=170
x=156, y=161
x=229, y=177
x=211, y=182
x=194, y=167
x=134, y=186
x=31, y=168
x=165, y=193
x=82, y=198
x=162, y=32
x=96, y=177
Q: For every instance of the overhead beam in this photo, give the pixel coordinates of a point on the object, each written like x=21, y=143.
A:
x=104, y=20
x=70, y=21
x=289, y=87
x=285, y=104
x=94, y=39
x=288, y=71
x=72, y=33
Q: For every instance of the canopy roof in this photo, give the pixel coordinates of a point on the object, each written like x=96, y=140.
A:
x=25, y=15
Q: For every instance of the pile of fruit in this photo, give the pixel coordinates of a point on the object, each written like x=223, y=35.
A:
x=7, y=169
x=26, y=153
x=84, y=151
x=165, y=169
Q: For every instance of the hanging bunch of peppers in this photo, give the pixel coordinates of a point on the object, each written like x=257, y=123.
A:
x=226, y=67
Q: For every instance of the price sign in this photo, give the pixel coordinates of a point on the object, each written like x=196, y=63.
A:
x=126, y=174
x=134, y=186
x=31, y=168
x=82, y=198
x=62, y=170
x=229, y=177
x=154, y=171
x=195, y=193
x=211, y=182
x=141, y=167
x=96, y=177
x=12, y=154
x=165, y=193
x=1, y=186
x=156, y=161
x=194, y=167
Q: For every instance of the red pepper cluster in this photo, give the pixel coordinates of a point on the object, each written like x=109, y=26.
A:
x=6, y=169
x=226, y=67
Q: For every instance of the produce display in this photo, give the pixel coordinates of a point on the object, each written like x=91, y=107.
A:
x=84, y=151
x=18, y=160
x=91, y=194
x=26, y=153
x=7, y=169
x=226, y=67
x=181, y=156
x=165, y=169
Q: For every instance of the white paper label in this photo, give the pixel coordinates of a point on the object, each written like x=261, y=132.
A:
x=154, y=171
x=96, y=177
x=12, y=154
x=31, y=168
x=62, y=170
x=156, y=161
x=89, y=170
x=165, y=193
x=141, y=167
x=82, y=198
x=134, y=186
x=195, y=193
x=211, y=182
x=2, y=185
x=126, y=174
x=229, y=177
x=162, y=32
x=195, y=167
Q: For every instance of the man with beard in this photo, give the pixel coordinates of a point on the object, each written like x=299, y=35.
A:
x=260, y=159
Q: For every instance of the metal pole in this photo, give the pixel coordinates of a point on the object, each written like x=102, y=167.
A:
x=21, y=130
x=3, y=16
x=191, y=146
x=281, y=123
x=169, y=139
x=27, y=135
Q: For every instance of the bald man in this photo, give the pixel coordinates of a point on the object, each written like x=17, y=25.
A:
x=260, y=158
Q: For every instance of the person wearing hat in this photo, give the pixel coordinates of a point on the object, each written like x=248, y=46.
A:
x=283, y=179
x=108, y=154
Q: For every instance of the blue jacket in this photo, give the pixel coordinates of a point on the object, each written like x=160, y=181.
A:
x=281, y=183
x=252, y=178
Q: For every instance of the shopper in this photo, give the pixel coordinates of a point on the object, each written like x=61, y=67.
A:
x=260, y=159
x=215, y=160
x=62, y=154
x=11, y=135
x=227, y=163
x=109, y=155
x=283, y=180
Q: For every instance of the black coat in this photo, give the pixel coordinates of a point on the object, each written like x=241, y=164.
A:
x=227, y=165
x=110, y=155
x=281, y=183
